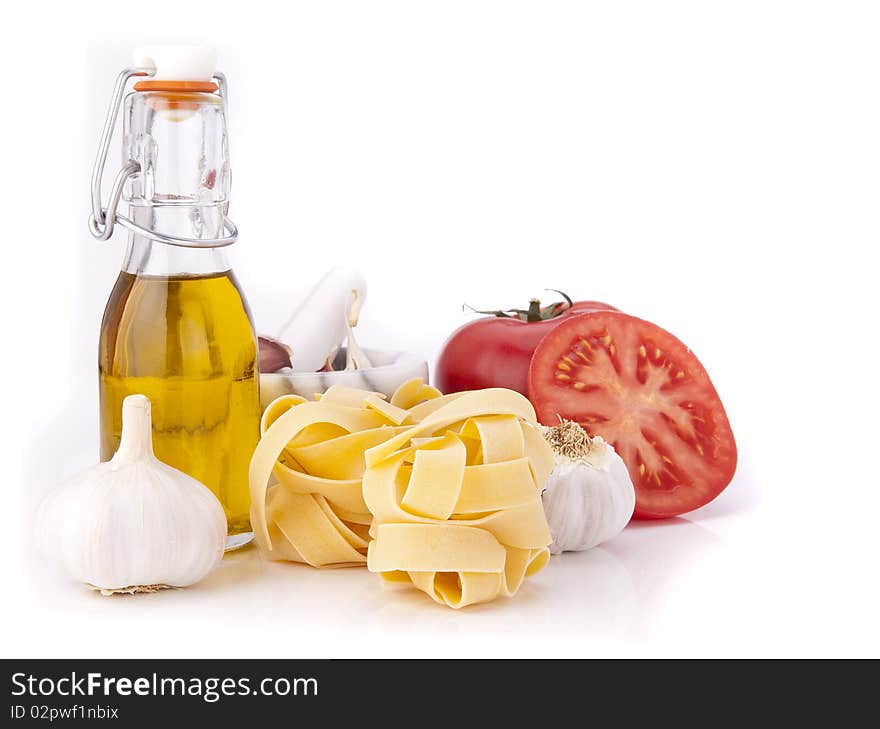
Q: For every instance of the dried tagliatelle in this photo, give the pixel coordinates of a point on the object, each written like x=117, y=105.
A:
x=449, y=486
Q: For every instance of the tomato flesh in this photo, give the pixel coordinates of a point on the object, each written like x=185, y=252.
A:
x=647, y=394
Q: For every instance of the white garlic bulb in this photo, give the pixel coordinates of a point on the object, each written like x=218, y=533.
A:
x=133, y=524
x=589, y=496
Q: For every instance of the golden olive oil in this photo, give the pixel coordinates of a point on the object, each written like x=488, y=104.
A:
x=188, y=344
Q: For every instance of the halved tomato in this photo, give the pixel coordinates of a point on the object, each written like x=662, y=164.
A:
x=644, y=392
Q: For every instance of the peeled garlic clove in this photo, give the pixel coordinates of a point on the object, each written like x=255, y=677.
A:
x=133, y=524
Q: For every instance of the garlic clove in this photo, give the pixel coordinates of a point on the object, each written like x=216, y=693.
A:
x=589, y=497
x=133, y=524
x=274, y=355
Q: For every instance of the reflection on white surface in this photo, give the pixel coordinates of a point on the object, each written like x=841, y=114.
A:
x=616, y=592
x=659, y=555
x=625, y=592
x=579, y=604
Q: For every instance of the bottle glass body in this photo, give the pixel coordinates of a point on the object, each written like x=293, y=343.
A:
x=177, y=327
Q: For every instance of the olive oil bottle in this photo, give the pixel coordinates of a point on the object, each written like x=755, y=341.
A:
x=177, y=327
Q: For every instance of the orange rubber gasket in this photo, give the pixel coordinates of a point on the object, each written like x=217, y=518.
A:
x=192, y=86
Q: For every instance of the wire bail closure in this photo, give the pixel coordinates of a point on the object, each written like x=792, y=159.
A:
x=103, y=220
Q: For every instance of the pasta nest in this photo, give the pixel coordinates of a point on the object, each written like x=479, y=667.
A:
x=442, y=492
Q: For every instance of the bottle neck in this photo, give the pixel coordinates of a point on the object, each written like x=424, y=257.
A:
x=181, y=188
x=145, y=257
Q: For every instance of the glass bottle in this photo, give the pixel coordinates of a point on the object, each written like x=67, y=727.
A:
x=177, y=327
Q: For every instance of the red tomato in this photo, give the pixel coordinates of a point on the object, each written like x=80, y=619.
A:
x=646, y=393
x=495, y=351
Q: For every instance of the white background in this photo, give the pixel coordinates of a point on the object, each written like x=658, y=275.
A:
x=711, y=166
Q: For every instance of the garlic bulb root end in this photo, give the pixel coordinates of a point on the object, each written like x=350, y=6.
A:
x=133, y=590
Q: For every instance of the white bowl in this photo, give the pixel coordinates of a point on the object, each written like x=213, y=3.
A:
x=390, y=370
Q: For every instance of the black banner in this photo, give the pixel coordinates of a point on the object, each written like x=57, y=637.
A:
x=244, y=693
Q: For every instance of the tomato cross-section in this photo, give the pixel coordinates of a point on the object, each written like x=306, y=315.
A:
x=647, y=394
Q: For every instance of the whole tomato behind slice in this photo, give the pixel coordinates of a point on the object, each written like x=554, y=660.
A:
x=495, y=351
x=647, y=394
